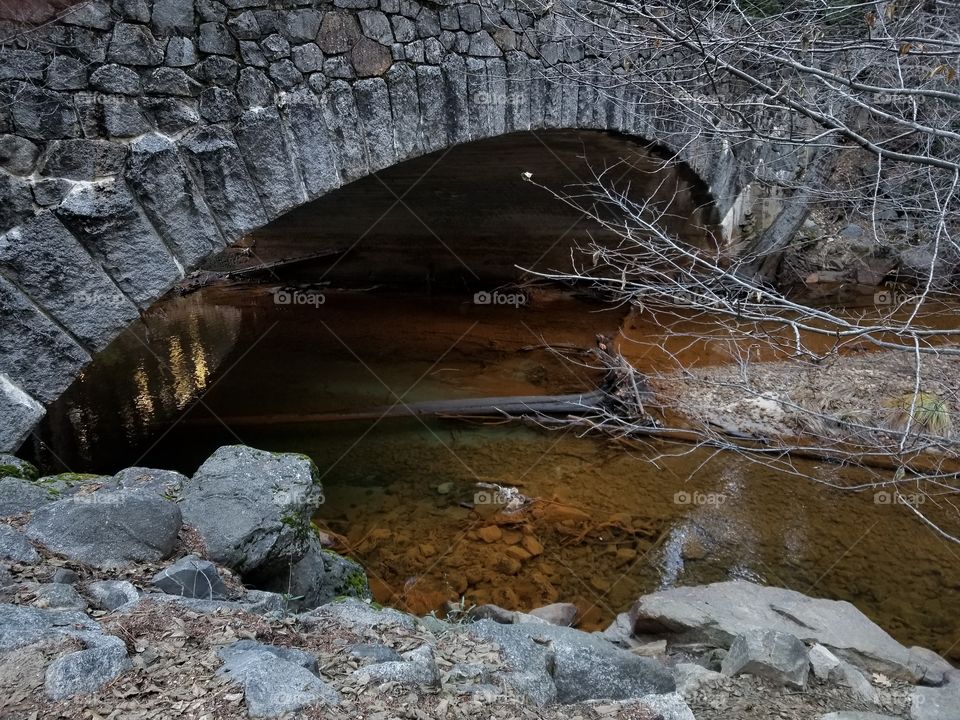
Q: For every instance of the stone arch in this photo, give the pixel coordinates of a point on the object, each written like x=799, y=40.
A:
x=139, y=143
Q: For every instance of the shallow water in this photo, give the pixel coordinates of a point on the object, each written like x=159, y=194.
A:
x=608, y=524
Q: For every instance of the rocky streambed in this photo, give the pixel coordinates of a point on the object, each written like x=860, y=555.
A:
x=149, y=594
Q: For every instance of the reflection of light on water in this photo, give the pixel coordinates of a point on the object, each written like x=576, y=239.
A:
x=143, y=397
x=673, y=556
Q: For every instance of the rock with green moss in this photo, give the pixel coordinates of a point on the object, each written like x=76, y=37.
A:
x=71, y=483
x=319, y=577
x=253, y=508
x=12, y=466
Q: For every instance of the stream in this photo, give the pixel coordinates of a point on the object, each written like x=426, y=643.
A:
x=608, y=524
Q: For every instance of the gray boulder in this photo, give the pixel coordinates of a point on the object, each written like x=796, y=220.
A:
x=59, y=596
x=20, y=496
x=253, y=508
x=166, y=483
x=11, y=465
x=21, y=626
x=418, y=668
x=6, y=579
x=777, y=656
x=319, y=577
x=855, y=715
x=556, y=614
x=110, y=594
x=549, y=662
x=272, y=685
x=375, y=653
x=936, y=703
x=86, y=671
x=715, y=614
x=108, y=528
x=691, y=677
x=356, y=614
x=193, y=578
x=233, y=652
x=15, y=546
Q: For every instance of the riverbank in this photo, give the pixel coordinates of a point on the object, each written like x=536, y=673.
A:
x=148, y=594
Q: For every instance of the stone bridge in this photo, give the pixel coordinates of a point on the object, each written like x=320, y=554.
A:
x=142, y=136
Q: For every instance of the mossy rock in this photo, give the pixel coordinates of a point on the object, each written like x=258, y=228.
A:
x=12, y=466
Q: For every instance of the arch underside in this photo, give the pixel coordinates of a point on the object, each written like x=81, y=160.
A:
x=78, y=267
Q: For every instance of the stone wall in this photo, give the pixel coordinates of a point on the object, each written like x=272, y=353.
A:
x=138, y=137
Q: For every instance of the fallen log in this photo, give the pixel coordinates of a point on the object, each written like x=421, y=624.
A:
x=505, y=407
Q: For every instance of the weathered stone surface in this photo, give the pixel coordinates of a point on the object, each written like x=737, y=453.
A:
x=275, y=47
x=16, y=201
x=370, y=58
x=937, y=703
x=375, y=25
x=855, y=715
x=21, y=413
x=374, y=653
x=430, y=89
x=301, y=25
x=87, y=670
x=36, y=355
x=716, y=613
x=307, y=58
x=21, y=65
x=417, y=668
x=108, y=528
x=215, y=39
x=193, y=578
x=357, y=614
x=219, y=105
x=319, y=577
x=93, y=15
x=181, y=52
x=116, y=79
x=171, y=81
x=557, y=614
x=273, y=686
x=172, y=115
x=255, y=89
x=134, y=45
x=17, y=155
x=285, y=74
x=66, y=73
x=234, y=652
x=224, y=182
x=58, y=596
x=340, y=115
x=14, y=545
x=572, y=666
x=262, y=143
x=135, y=10
x=106, y=218
x=454, y=70
x=122, y=118
x=42, y=114
x=165, y=483
x=111, y=594
x=339, y=32
x=245, y=26
x=82, y=159
x=252, y=507
x=518, y=92
x=405, y=109
x=777, y=656
x=304, y=119
x=373, y=106
x=21, y=626
x=173, y=16
x=48, y=262
x=171, y=200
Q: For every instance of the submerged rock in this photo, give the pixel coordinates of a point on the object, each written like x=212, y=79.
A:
x=253, y=508
x=715, y=614
x=108, y=528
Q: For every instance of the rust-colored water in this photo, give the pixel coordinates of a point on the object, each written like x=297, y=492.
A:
x=607, y=524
